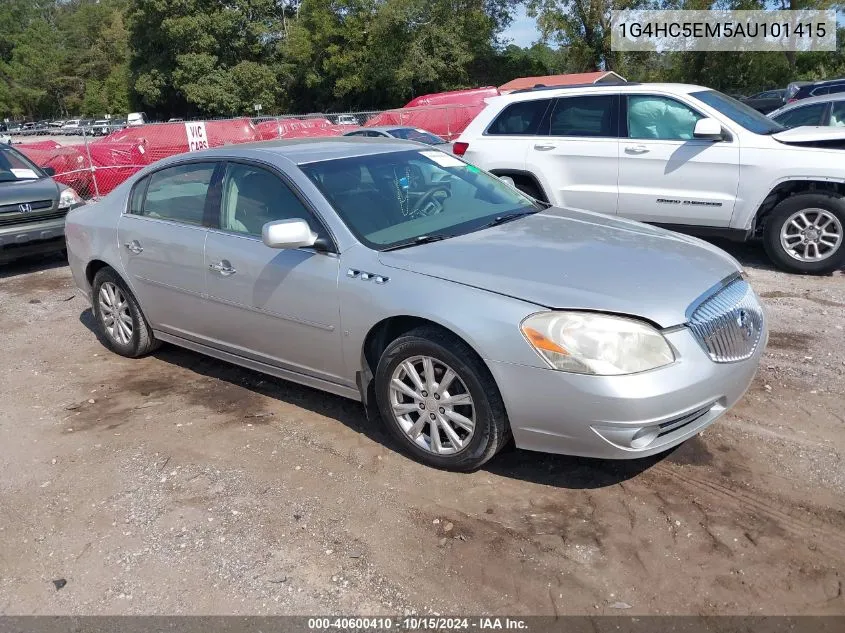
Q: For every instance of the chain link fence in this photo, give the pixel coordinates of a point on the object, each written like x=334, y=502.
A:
x=95, y=157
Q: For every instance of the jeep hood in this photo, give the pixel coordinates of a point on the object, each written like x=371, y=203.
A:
x=561, y=258
x=810, y=134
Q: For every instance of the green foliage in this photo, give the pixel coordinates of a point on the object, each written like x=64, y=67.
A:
x=220, y=57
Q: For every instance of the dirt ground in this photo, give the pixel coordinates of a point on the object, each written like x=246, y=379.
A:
x=177, y=484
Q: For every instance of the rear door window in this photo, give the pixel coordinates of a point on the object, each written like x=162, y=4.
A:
x=593, y=116
x=805, y=115
x=520, y=119
x=178, y=193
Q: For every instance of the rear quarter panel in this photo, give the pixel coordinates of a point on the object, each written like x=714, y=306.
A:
x=91, y=234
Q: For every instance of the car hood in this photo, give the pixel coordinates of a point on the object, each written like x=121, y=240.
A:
x=18, y=192
x=808, y=133
x=561, y=258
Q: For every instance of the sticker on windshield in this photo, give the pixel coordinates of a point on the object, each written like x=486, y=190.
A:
x=444, y=160
x=24, y=173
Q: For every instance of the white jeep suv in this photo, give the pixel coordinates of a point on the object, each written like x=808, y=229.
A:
x=685, y=157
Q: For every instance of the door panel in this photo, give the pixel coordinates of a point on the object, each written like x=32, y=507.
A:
x=274, y=305
x=167, y=274
x=161, y=244
x=667, y=176
x=579, y=157
x=279, y=306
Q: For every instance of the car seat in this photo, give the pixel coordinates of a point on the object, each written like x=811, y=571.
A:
x=363, y=206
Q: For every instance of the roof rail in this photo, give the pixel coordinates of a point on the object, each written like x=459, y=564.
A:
x=538, y=87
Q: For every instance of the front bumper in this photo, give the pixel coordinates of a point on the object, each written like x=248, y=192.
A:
x=622, y=417
x=32, y=237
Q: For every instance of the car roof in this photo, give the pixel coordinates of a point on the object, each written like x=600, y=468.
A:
x=827, y=82
x=550, y=91
x=311, y=150
x=837, y=96
x=387, y=128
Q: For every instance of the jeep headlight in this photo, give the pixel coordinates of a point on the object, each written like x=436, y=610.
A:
x=599, y=344
x=68, y=199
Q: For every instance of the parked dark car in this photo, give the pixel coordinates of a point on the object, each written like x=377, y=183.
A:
x=32, y=207
x=819, y=88
x=766, y=101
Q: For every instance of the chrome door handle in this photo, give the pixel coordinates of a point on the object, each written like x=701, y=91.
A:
x=542, y=147
x=223, y=267
x=636, y=149
x=134, y=246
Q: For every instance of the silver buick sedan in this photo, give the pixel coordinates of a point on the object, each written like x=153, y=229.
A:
x=457, y=308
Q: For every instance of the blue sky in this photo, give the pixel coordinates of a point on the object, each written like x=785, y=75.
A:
x=523, y=30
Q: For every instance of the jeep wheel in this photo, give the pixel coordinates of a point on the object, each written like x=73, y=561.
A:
x=806, y=233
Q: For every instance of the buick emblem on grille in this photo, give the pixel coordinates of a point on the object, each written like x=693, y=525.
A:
x=746, y=325
x=25, y=207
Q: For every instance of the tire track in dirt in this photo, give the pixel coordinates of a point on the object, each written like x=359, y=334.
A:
x=797, y=521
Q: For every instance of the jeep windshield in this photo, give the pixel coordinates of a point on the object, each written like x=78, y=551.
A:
x=738, y=112
x=14, y=166
x=404, y=198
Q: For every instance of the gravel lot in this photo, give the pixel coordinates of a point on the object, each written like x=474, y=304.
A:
x=177, y=484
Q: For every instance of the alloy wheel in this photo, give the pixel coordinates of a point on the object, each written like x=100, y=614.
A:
x=432, y=405
x=811, y=235
x=115, y=314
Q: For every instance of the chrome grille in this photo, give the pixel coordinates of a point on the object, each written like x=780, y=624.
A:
x=38, y=205
x=729, y=323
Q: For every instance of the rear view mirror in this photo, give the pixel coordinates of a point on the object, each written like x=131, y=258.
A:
x=49, y=171
x=709, y=129
x=288, y=234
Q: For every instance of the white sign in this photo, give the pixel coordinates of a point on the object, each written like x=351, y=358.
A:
x=197, y=138
x=443, y=159
x=24, y=174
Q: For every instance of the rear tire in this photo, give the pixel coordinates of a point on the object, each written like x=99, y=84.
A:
x=454, y=448
x=804, y=233
x=121, y=325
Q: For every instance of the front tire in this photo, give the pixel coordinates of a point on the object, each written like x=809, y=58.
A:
x=120, y=323
x=805, y=233
x=439, y=401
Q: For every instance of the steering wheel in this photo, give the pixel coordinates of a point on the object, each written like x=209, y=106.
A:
x=428, y=198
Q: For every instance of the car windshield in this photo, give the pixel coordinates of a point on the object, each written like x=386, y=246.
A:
x=738, y=112
x=15, y=166
x=413, y=134
x=397, y=198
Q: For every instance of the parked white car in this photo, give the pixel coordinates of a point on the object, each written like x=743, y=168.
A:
x=822, y=110
x=685, y=157
x=71, y=127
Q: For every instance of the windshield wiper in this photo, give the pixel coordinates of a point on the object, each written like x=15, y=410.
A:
x=508, y=217
x=422, y=239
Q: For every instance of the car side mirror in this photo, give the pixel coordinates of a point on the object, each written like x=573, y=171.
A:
x=49, y=171
x=708, y=129
x=293, y=233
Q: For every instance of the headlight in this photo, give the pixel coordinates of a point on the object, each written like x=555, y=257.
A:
x=588, y=343
x=68, y=199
